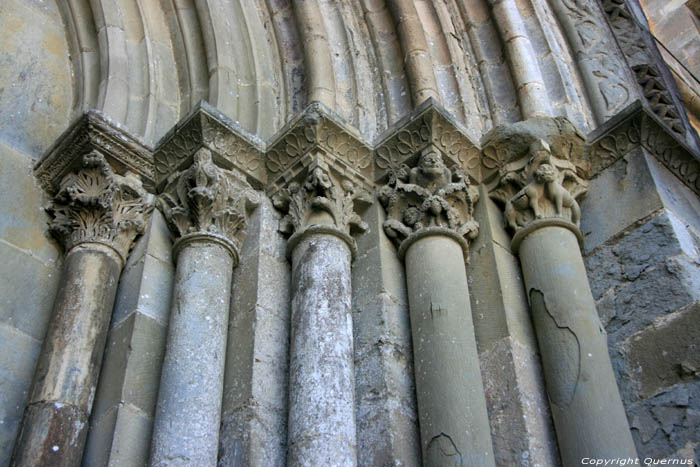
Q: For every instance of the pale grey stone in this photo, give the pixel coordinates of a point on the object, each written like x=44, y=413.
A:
x=321, y=377
x=27, y=290
x=186, y=427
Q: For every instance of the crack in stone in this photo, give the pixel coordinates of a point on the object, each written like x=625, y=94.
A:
x=441, y=447
x=562, y=375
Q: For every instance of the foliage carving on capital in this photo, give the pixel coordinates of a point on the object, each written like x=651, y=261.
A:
x=428, y=195
x=320, y=199
x=95, y=205
x=207, y=199
x=541, y=186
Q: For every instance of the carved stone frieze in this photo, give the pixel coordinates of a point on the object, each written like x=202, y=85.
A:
x=639, y=127
x=319, y=130
x=321, y=201
x=95, y=205
x=634, y=42
x=429, y=197
x=607, y=78
x=429, y=126
x=205, y=200
x=205, y=127
x=94, y=132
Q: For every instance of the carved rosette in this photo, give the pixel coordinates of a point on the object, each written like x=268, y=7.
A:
x=537, y=187
x=95, y=205
x=429, y=199
x=208, y=203
x=322, y=203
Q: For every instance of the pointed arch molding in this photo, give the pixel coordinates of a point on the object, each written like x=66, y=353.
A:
x=317, y=133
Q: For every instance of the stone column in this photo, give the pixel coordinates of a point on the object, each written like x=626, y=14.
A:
x=321, y=369
x=206, y=208
x=96, y=214
x=429, y=211
x=588, y=414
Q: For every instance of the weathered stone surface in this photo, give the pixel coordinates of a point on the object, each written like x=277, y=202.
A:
x=668, y=422
x=665, y=353
x=254, y=410
x=519, y=414
x=69, y=365
x=510, y=368
x=321, y=376
x=20, y=225
x=580, y=381
x=18, y=356
x=37, y=90
x=449, y=386
x=633, y=291
x=186, y=428
x=387, y=431
x=132, y=364
x=145, y=286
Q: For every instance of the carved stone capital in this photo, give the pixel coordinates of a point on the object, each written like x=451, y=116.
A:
x=539, y=172
x=205, y=202
x=428, y=198
x=95, y=205
x=321, y=201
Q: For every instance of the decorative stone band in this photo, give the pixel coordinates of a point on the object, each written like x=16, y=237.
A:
x=540, y=224
x=208, y=238
x=297, y=237
x=434, y=232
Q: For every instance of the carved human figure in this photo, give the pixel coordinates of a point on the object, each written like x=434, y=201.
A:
x=428, y=195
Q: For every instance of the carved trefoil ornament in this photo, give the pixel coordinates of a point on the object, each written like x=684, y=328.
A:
x=429, y=198
x=95, y=205
x=205, y=200
x=539, y=186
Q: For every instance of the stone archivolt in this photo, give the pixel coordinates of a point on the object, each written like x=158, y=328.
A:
x=428, y=196
x=208, y=200
x=95, y=205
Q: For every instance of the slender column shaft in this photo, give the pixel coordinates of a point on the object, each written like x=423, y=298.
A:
x=451, y=405
x=415, y=48
x=186, y=428
x=588, y=414
x=321, y=382
x=526, y=72
x=56, y=421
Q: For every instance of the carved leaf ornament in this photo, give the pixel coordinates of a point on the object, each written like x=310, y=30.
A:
x=96, y=205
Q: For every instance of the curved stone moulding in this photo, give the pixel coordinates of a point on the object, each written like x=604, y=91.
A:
x=146, y=64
